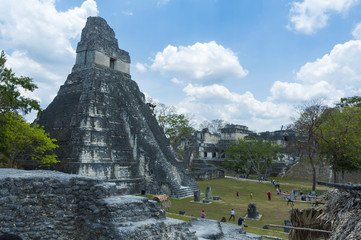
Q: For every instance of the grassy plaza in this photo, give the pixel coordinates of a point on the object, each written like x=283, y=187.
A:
x=274, y=211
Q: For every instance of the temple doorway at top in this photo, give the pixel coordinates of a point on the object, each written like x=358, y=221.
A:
x=112, y=63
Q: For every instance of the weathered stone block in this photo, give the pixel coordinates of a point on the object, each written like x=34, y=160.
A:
x=209, y=192
x=197, y=196
x=252, y=211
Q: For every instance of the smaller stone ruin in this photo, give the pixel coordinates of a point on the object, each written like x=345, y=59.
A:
x=209, y=193
x=252, y=211
x=197, y=196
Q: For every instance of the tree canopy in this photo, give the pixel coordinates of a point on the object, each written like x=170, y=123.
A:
x=248, y=155
x=340, y=137
x=19, y=139
x=305, y=128
x=176, y=127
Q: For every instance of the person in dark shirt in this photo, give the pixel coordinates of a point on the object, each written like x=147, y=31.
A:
x=241, y=221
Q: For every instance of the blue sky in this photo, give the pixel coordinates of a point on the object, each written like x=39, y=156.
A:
x=247, y=62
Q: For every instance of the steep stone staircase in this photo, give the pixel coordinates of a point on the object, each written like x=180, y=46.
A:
x=118, y=216
x=183, y=192
x=139, y=218
x=206, y=169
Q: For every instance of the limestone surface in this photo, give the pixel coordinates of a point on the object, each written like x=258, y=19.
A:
x=51, y=205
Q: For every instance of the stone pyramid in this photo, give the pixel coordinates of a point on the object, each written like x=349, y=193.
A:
x=104, y=127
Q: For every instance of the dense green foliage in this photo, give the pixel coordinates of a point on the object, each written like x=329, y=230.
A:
x=254, y=155
x=332, y=134
x=340, y=138
x=18, y=139
x=354, y=101
x=177, y=127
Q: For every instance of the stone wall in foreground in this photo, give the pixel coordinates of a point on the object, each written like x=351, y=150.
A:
x=52, y=205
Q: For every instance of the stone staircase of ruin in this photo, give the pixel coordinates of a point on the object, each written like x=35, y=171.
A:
x=202, y=164
x=207, y=169
x=139, y=218
x=183, y=192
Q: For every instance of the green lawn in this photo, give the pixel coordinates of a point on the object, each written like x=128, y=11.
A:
x=273, y=212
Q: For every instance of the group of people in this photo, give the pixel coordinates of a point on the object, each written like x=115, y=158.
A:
x=309, y=197
x=241, y=221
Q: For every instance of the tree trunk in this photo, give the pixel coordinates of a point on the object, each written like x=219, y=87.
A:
x=310, y=156
x=11, y=162
x=334, y=167
x=313, y=174
x=343, y=176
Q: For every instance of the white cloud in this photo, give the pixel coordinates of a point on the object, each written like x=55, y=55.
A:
x=141, y=67
x=356, y=33
x=297, y=92
x=311, y=15
x=340, y=68
x=201, y=62
x=37, y=38
x=331, y=77
x=128, y=13
x=217, y=102
x=162, y=2
x=335, y=75
x=177, y=81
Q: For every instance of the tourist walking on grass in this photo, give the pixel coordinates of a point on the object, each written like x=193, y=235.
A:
x=251, y=195
x=232, y=215
x=269, y=195
x=237, y=194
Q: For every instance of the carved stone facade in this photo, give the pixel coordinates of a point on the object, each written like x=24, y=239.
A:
x=209, y=151
x=104, y=127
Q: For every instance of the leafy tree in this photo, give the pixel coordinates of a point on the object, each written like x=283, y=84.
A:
x=176, y=127
x=305, y=128
x=10, y=96
x=20, y=140
x=339, y=137
x=354, y=101
x=254, y=154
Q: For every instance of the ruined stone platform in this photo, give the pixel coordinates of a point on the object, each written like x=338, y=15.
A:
x=57, y=206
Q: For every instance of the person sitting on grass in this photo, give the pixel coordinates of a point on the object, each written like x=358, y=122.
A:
x=241, y=222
